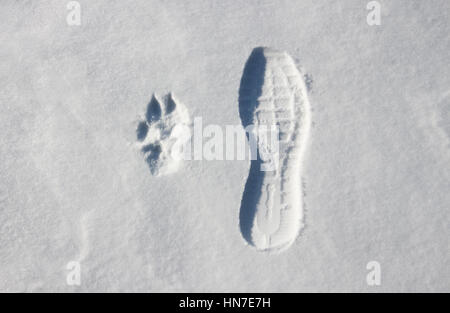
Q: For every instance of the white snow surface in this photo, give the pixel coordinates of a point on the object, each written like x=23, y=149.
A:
x=75, y=187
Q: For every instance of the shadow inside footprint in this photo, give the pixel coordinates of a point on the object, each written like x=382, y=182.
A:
x=171, y=105
x=249, y=91
x=141, y=131
x=153, y=110
x=152, y=152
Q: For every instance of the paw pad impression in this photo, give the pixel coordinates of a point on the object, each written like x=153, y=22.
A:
x=162, y=133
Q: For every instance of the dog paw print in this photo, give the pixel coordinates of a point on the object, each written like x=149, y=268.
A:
x=162, y=134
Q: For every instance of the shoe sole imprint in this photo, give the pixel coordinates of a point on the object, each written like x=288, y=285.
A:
x=273, y=92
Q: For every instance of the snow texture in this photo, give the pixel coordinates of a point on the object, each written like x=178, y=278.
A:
x=75, y=185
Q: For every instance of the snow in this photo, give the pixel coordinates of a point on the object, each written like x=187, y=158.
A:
x=75, y=187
